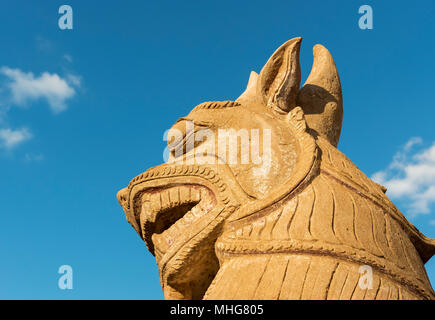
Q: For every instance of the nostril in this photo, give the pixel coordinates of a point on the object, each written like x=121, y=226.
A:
x=122, y=196
x=181, y=137
x=178, y=134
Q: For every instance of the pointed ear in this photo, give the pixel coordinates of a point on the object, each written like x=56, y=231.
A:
x=321, y=97
x=279, y=80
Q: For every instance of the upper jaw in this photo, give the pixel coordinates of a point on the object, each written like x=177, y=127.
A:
x=169, y=211
x=169, y=204
x=179, y=210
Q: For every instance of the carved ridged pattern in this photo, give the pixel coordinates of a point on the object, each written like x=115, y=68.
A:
x=349, y=227
x=296, y=277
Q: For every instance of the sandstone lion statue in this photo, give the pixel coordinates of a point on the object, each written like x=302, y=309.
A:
x=300, y=226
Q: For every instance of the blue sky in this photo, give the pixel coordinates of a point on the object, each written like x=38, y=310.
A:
x=82, y=111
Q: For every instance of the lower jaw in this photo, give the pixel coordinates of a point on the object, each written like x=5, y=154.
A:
x=181, y=269
x=191, y=280
x=188, y=268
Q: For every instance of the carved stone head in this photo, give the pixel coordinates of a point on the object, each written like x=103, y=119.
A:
x=256, y=188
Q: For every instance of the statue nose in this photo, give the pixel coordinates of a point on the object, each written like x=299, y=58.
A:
x=122, y=196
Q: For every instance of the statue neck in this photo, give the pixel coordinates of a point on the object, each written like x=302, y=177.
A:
x=252, y=277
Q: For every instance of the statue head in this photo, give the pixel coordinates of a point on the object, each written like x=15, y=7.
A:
x=230, y=159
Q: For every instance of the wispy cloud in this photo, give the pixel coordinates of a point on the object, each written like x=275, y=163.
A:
x=34, y=157
x=11, y=138
x=74, y=80
x=25, y=87
x=411, y=177
x=68, y=58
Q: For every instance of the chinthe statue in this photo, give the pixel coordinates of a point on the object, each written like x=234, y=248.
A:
x=299, y=222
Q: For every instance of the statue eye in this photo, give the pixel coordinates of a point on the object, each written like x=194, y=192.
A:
x=181, y=137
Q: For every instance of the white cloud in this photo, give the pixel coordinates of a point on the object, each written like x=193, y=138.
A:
x=411, y=177
x=34, y=157
x=26, y=87
x=11, y=138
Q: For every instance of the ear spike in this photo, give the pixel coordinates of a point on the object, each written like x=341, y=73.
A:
x=250, y=89
x=279, y=80
x=321, y=97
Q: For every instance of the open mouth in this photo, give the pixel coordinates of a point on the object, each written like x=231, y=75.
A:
x=179, y=212
x=168, y=213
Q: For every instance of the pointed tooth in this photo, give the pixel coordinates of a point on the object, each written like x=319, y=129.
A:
x=206, y=203
x=189, y=217
x=196, y=211
x=175, y=228
x=174, y=196
x=204, y=194
x=195, y=195
x=155, y=202
x=157, y=240
x=147, y=212
x=184, y=194
x=201, y=206
x=146, y=197
x=164, y=197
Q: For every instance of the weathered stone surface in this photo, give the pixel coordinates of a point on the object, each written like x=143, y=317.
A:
x=299, y=226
